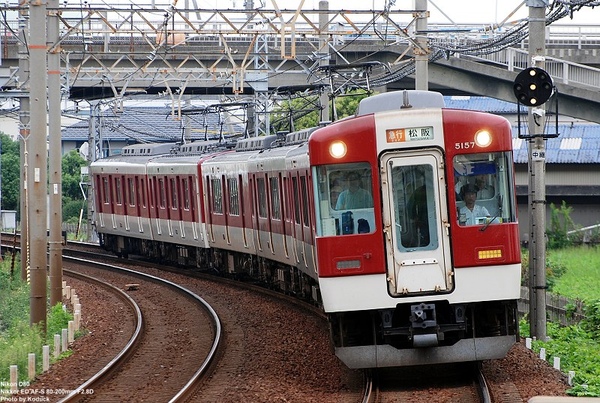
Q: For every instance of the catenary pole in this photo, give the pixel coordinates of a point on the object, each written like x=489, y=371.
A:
x=421, y=51
x=537, y=183
x=24, y=131
x=37, y=159
x=54, y=155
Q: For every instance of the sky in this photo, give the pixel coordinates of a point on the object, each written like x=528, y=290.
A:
x=441, y=11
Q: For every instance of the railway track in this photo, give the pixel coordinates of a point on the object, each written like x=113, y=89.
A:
x=259, y=358
x=175, y=338
x=462, y=382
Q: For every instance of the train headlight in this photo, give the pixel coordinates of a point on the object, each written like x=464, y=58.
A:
x=338, y=149
x=483, y=138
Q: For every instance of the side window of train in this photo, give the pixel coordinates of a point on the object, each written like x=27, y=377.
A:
x=304, y=195
x=262, y=197
x=483, y=187
x=162, y=194
x=131, y=191
x=174, y=196
x=186, y=193
x=296, y=195
x=234, y=198
x=118, y=191
x=217, y=196
x=105, y=191
x=275, y=199
x=344, y=199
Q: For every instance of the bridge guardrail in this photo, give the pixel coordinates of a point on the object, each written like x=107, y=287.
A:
x=562, y=71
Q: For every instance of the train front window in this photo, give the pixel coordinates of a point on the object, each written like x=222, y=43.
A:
x=483, y=185
x=414, y=203
x=344, y=199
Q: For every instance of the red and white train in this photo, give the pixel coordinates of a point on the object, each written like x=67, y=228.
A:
x=407, y=270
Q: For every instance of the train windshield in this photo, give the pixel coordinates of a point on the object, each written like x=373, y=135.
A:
x=415, y=217
x=483, y=185
x=344, y=199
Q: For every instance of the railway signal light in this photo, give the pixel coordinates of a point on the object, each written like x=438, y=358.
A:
x=533, y=86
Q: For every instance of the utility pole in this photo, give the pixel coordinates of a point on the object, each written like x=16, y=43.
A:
x=324, y=57
x=37, y=163
x=421, y=51
x=537, y=182
x=55, y=157
x=24, y=131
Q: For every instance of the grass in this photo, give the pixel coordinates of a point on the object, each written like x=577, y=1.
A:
x=578, y=346
x=582, y=277
x=17, y=337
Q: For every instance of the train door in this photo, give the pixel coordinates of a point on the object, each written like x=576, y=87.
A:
x=297, y=234
x=305, y=227
x=264, y=216
x=154, y=202
x=132, y=208
x=104, y=206
x=226, y=191
x=285, y=206
x=416, y=223
x=113, y=198
x=254, y=198
x=136, y=190
x=241, y=201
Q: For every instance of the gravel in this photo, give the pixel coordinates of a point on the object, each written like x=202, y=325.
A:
x=285, y=356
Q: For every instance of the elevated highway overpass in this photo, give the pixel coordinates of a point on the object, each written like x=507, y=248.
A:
x=111, y=53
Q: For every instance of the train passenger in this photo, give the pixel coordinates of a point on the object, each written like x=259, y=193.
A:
x=354, y=196
x=469, y=213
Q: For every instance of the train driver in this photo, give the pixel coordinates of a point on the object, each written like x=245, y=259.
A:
x=354, y=197
x=469, y=213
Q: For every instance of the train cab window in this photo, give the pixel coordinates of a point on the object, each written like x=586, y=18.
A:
x=344, y=194
x=483, y=185
x=414, y=201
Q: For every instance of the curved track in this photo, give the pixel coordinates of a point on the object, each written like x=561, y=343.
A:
x=152, y=363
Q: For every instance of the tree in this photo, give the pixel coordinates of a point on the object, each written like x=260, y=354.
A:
x=10, y=173
x=71, y=175
x=304, y=111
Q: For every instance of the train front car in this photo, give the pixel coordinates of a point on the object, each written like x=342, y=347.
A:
x=410, y=272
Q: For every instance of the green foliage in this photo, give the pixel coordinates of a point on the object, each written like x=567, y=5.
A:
x=581, y=279
x=17, y=338
x=576, y=272
x=10, y=173
x=560, y=224
x=71, y=175
x=554, y=271
x=579, y=352
x=591, y=324
x=72, y=209
x=304, y=112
